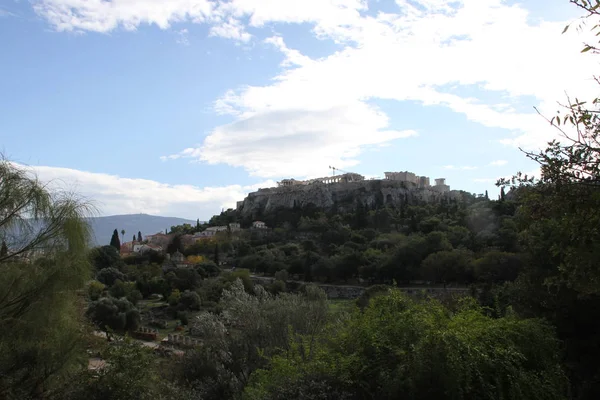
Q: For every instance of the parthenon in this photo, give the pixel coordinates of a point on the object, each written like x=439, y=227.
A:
x=403, y=176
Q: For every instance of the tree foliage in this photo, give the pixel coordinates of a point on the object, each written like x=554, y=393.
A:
x=47, y=236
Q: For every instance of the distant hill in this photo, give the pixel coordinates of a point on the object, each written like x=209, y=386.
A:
x=103, y=227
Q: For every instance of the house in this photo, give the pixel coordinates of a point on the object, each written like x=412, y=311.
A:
x=176, y=260
x=259, y=225
x=127, y=248
x=210, y=231
x=234, y=227
x=142, y=248
x=177, y=257
x=187, y=240
x=157, y=236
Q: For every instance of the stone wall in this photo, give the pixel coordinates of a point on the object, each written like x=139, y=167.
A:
x=354, y=292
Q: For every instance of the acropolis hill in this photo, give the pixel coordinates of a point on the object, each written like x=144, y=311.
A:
x=345, y=191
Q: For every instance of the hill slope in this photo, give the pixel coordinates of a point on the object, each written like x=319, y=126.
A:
x=103, y=227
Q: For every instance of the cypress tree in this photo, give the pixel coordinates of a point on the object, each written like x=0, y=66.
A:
x=114, y=240
x=3, y=249
x=133, y=240
x=139, y=236
x=216, y=256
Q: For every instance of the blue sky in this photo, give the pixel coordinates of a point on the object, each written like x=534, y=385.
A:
x=180, y=108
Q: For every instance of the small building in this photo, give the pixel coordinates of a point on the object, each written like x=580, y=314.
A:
x=143, y=248
x=177, y=257
x=259, y=225
x=440, y=185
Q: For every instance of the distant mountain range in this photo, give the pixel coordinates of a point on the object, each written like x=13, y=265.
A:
x=103, y=227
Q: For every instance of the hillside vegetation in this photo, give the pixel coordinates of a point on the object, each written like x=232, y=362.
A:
x=88, y=323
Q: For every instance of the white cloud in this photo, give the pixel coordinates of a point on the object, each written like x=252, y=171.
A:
x=231, y=29
x=112, y=194
x=301, y=143
x=462, y=168
x=498, y=163
x=318, y=111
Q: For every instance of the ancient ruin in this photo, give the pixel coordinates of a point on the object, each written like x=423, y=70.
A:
x=344, y=191
x=403, y=176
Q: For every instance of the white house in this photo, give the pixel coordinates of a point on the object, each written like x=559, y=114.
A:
x=259, y=225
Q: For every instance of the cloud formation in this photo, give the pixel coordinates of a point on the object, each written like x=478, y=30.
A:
x=498, y=163
x=320, y=111
x=112, y=194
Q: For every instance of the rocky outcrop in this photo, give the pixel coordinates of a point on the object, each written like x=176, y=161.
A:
x=342, y=196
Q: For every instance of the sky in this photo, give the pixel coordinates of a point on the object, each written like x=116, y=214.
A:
x=181, y=107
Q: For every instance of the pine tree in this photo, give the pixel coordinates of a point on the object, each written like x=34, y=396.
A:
x=139, y=236
x=216, y=256
x=3, y=250
x=114, y=240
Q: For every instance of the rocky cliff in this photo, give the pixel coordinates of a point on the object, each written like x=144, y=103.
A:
x=343, y=196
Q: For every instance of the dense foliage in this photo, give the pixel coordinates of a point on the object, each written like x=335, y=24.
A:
x=525, y=326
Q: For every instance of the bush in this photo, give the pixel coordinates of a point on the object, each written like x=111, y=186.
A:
x=190, y=300
x=108, y=276
x=95, y=290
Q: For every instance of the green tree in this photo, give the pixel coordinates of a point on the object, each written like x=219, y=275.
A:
x=105, y=257
x=114, y=240
x=113, y=314
x=558, y=220
x=175, y=245
x=40, y=340
x=131, y=372
x=400, y=348
x=3, y=250
x=216, y=254
x=139, y=236
x=109, y=276
x=95, y=290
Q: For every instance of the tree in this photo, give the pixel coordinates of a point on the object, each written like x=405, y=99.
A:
x=105, y=257
x=3, y=250
x=175, y=245
x=48, y=264
x=113, y=314
x=198, y=227
x=558, y=220
x=139, y=236
x=123, y=235
x=216, y=254
x=114, y=240
x=190, y=300
x=109, y=276
x=133, y=240
x=400, y=348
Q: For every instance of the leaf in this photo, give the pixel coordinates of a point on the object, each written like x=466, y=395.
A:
x=566, y=29
x=586, y=49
